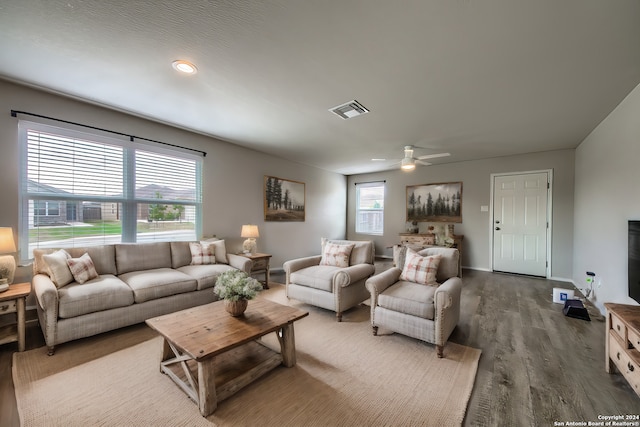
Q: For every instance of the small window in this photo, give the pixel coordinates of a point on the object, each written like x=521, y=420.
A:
x=370, y=208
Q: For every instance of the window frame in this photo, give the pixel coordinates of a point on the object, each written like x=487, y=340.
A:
x=128, y=201
x=359, y=210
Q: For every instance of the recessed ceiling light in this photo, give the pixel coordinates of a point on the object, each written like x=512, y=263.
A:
x=185, y=67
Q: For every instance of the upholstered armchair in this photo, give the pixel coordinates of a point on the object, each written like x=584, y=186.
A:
x=420, y=296
x=333, y=280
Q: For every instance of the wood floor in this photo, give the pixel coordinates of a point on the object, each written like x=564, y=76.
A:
x=537, y=366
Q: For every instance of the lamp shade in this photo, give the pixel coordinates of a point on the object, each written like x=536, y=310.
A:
x=7, y=244
x=249, y=231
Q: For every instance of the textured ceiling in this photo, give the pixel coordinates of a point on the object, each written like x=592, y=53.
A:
x=474, y=78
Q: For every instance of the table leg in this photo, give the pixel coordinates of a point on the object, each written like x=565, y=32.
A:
x=288, y=346
x=21, y=323
x=207, y=399
x=167, y=352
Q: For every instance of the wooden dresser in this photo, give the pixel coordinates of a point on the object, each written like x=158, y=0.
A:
x=623, y=342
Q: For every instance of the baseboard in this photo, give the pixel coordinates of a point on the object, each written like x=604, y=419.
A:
x=465, y=267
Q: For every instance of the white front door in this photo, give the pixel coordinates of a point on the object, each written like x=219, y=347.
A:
x=520, y=223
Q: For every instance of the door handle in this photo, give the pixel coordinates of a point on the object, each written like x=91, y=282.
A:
x=497, y=228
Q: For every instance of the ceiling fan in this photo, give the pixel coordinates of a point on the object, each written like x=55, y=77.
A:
x=408, y=162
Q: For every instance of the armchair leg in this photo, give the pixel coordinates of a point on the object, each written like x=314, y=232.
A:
x=439, y=349
x=51, y=350
x=375, y=331
x=339, y=316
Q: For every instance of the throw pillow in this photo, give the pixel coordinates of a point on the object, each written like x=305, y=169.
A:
x=202, y=253
x=220, y=250
x=82, y=268
x=420, y=269
x=57, y=267
x=336, y=255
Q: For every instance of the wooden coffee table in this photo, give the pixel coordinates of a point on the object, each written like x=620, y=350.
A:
x=210, y=355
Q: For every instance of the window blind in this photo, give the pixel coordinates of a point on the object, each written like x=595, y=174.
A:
x=370, y=208
x=81, y=189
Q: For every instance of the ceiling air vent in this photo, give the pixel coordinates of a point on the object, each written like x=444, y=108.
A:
x=349, y=110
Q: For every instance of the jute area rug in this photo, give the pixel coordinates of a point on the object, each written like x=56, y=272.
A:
x=344, y=377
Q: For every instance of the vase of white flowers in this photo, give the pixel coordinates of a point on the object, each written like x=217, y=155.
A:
x=236, y=288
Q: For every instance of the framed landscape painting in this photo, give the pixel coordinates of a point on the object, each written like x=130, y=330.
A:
x=283, y=199
x=440, y=202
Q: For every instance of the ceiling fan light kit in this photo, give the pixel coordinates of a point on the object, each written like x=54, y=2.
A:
x=408, y=164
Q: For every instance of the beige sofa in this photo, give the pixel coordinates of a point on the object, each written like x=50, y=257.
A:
x=427, y=312
x=135, y=282
x=331, y=287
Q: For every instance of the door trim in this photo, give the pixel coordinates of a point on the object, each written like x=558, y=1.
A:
x=549, y=173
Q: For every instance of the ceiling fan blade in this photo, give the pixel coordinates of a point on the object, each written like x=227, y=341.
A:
x=433, y=156
x=418, y=161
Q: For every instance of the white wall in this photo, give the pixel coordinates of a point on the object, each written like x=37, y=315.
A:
x=476, y=191
x=607, y=195
x=232, y=182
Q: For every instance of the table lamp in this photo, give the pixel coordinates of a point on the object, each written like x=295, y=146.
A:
x=7, y=262
x=250, y=232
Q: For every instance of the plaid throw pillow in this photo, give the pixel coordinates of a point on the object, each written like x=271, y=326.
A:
x=82, y=268
x=202, y=253
x=420, y=269
x=336, y=255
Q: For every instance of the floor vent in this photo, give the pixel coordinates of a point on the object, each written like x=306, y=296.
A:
x=349, y=110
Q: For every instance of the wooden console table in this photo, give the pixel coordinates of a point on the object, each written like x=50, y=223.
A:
x=426, y=239
x=622, y=342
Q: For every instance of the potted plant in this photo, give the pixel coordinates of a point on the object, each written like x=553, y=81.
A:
x=236, y=288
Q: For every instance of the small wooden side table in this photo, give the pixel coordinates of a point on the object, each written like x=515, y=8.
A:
x=13, y=300
x=260, y=264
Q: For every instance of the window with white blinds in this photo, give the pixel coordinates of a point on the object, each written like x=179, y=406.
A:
x=79, y=189
x=370, y=208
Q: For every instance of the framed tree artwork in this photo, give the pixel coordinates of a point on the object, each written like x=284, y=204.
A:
x=439, y=202
x=283, y=199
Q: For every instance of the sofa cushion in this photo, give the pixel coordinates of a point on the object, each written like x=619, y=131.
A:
x=103, y=257
x=102, y=293
x=420, y=269
x=180, y=254
x=157, y=283
x=202, y=253
x=82, y=268
x=142, y=256
x=58, y=268
x=317, y=276
x=336, y=254
x=206, y=275
x=409, y=298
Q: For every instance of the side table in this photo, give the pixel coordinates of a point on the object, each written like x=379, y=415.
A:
x=13, y=300
x=259, y=265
